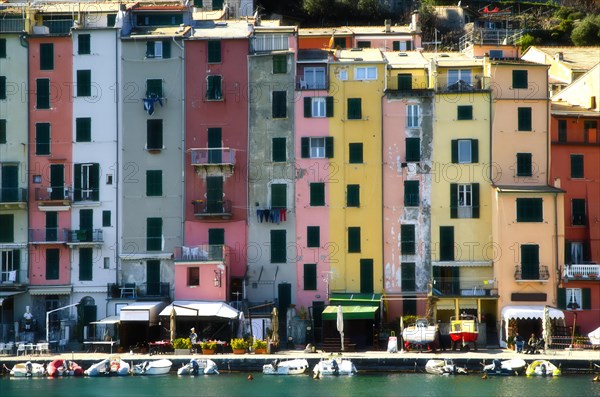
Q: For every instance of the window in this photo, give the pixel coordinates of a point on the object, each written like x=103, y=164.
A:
x=279, y=110
x=578, y=212
x=313, y=236
x=85, y=264
x=84, y=83
x=83, y=44
x=407, y=239
x=154, y=234
x=310, y=277
x=575, y=253
x=154, y=183
x=110, y=20
x=278, y=246
x=365, y=73
x=2, y=87
x=577, y=166
x=363, y=44
x=158, y=49
x=590, y=131
x=269, y=42
x=214, y=51
x=339, y=42
x=42, y=138
x=524, y=119
x=446, y=243
x=562, y=131
x=7, y=230
x=530, y=210
x=412, y=116
x=459, y=79
x=52, y=263
x=46, y=56
x=413, y=149
x=496, y=54
x=279, y=150
x=353, y=196
x=316, y=148
x=519, y=79
x=10, y=262
x=154, y=134
x=193, y=276
x=83, y=129
x=354, y=109
x=464, y=200
x=42, y=93
x=87, y=181
x=106, y=218
x=355, y=153
x=408, y=276
x=154, y=88
x=317, y=194
x=353, y=239
x=278, y=195
x=2, y=48
x=279, y=64
x=464, y=112
x=2, y=131
x=318, y=107
x=214, y=91
x=404, y=82
x=411, y=193
x=530, y=262
x=524, y=166
x=343, y=75
x=465, y=151
x=574, y=298
x=401, y=45
x=314, y=78
x=106, y=263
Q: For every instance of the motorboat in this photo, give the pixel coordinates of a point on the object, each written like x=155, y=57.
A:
x=109, y=366
x=28, y=369
x=511, y=367
x=464, y=330
x=60, y=367
x=542, y=368
x=420, y=333
x=444, y=367
x=334, y=366
x=288, y=367
x=155, y=367
x=199, y=366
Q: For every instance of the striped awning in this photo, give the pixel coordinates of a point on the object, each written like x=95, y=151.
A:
x=445, y=305
x=59, y=290
x=351, y=312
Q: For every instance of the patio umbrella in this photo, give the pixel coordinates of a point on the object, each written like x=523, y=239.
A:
x=546, y=328
x=172, y=323
x=275, y=325
x=340, y=324
x=401, y=337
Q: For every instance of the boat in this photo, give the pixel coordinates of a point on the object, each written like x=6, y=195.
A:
x=60, y=367
x=109, y=366
x=420, y=333
x=156, y=367
x=28, y=369
x=542, y=368
x=444, y=367
x=464, y=330
x=289, y=367
x=334, y=366
x=510, y=367
x=199, y=366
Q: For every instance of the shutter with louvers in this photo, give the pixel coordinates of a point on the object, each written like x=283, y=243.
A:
x=77, y=178
x=166, y=49
x=454, y=146
x=307, y=106
x=475, y=199
x=329, y=147
x=149, y=49
x=95, y=181
x=329, y=106
x=561, y=298
x=474, y=151
x=586, y=298
x=305, y=147
x=453, y=200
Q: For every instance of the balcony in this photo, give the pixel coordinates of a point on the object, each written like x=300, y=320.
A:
x=213, y=161
x=49, y=235
x=59, y=26
x=54, y=197
x=200, y=253
x=451, y=286
x=415, y=83
x=218, y=209
x=532, y=274
x=302, y=83
x=144, y=290
x=13, y=198
x=12, y=25
x=83, y=237
x=587, y=271
x=444, y=84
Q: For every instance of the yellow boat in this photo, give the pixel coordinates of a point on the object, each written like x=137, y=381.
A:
x=542, y=368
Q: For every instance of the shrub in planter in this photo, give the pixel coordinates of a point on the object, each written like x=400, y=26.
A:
x=259, y=346
x=182, y=343
x=239, y=345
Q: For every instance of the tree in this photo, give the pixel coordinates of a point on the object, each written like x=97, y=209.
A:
x=587, y=32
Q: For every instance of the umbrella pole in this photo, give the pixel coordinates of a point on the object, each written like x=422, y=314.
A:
x=342, y=334
x=573, y=332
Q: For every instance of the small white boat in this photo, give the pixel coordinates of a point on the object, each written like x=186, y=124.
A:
x=28, y=369
x=510, y=367
x=199, y=366
x=334, y=366
x=109, y=366
x=156, y=367
x=420, y=333
x=542, y=368
x=289, y=367
x=444, y=367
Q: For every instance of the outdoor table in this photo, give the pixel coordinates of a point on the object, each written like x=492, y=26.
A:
x=100, y=344
x=159, y=347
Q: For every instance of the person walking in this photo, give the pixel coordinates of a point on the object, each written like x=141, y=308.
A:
x=193, y=339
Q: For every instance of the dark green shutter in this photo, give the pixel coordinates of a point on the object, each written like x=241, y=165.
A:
x=329, y=147
x=408, y=277
x=149, y=49
x=413, y=149
x=279, y=150
x=153, y=277
x=2, y=131
x=366, y=276
x=586, y=298
x=106, y=218
x=86, y=225
x=83, y=129
x=2, y=48
x=475, y=199
x=154, y=88
x=454, y=200
x=279, y=104
x=305, y=147
x=411, y=193
x=46, y=56
x=279, y=64
x=562, y=131
x=214, y=51
x=83, y=44
x=519, y=79
x=353, y=239
x=278, y=195
x=454, y=148
x=166, y=44
x=85, y=264
x=42, y=93
x=214, y=195
x=154, y=234
x=577, y=170
x=307, y=106
x=353, y=196
x=278, y=246
x=154, y=136
x=455, y=280
x=317, y=194
x=524, y=119
x=154, y=183
x=446, y=243
x=561, y=298
x=110, y=20
x=216, y=236
x=95, y=181
x=355, y=153
x=530, y=262
x=407, y=240
x=51, y=226
x=52, y=264
x=2, y=87
x=215, y=144
x=310, y=276
x=524, y=164
x=395, y=45
x=404, y=82
x=42, y=138
x=313, y=236
x=328, y=106
x=10, y=184
x=7, y=228
x=567, y=252
x=530, y=210
x=464, y=112
x=354, y=108
x=84, y=83
x=77, y=181
x=474, y=151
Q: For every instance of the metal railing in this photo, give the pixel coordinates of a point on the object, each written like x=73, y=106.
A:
x=51, y=193
x=318, y=84
x=200, y=253
x=490, y=36
x=451, y=286
x=208, y=208
x=59, y=26
x=86, y=236
x=48, y=235
x=148, y=289
x=586, y=271
x=13, y=195
x=210, y=156
x=476, y=83
x=528, y=274
x=12, y=25
x=417, y=83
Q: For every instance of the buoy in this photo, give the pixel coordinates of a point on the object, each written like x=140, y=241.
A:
x=250, y=377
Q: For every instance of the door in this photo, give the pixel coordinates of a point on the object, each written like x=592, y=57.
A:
x=153, y=278
x=216, y=241
x=10, y=184
x=215, y=154
x=284, y=294
x=86, y=225
x=57, y=181
x=366, y=275
x=51, y=226
x=404, y=82
x=214, y=195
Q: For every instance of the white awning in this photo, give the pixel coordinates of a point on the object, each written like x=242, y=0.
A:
x=142, y=311
x=445, y=305
x=533, y=312
x=47, y=290
x=201, y=309
x=108, y=320
x=146, y=256
x=8, y=294
x=462, y=263
x=467, y=304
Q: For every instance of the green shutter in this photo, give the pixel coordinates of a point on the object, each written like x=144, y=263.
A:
x=454, y=200
x=106, y=218
x=366, y=276
x=2, y=131
x=530, y=262
x=317, y=194
x=83, y=129
x=530, y=210
x=586, y=298
x=279, y=104
x=85, y=264
x=307, y=106
x=395, y=45
x=524, y=119
x=411, y=193
x=154, y=234
x=519, y=79
x=313, y=236
x=216, y=236
x=567, y=252
x=154, y=88
x=149, y=49
x=454, y=148
x=404, y=82
x=154, y=183
x=2, y=87
x=353, y=239
x=7, y=230
x=166, y=44
x=446, y=243
x=475, y=200
x=278, y=246
x=83, y=44
x=474, y=151
x=413, y=149
x=407, y=240
x=2, y=48
x=329, y=147
x=279, y=149
x=214, y=51
x=408, y=277
x=464, y=112
x=84, y=83
x=353, y=196
x=95, y=181
x=154, y=134
x=42, y=93
x=52, y=264
x=561, y=298
x=354, y=108
x=77, y=182
x=278, y=195
x=577, y=170
x=110, y=20
x=42, y=138
x=310, y=276
x=46, y=56
x=524, y=164
x=305, y=147
x=356, y=153
x=328, y=106
x=279, y=64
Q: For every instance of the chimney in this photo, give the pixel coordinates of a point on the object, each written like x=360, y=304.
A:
x=388, y=25
x=415, y=25
x=559, y=56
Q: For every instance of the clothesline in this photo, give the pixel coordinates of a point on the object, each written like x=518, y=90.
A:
x=271, y=215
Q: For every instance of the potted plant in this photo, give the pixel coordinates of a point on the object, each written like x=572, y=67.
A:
x=208, y=347
x=182, y=346
x=239, y=345
x=302, y=313
x=259, y=346
x=511, y=342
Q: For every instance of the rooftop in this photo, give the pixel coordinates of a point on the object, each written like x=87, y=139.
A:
x=583, y=58
x=452, y=59
x=359, y=55
x=221, y=30
x=405, y=60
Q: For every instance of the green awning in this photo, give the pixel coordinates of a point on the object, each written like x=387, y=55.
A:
x=351, y=312
x=349, y=299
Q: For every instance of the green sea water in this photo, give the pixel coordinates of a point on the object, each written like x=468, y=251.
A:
x=363, y=384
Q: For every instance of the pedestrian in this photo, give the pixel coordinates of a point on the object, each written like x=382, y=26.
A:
x=193, y=338
x=519, y=342
x=531, y=344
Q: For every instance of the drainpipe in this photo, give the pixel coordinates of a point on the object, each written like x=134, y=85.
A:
x=556, y=261
x=183, y=124
x=117, y=176
x=25, y=43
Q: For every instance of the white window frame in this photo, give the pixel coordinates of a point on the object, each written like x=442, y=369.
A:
x=343, y=75
x=317, y=148
x=314, y=77
x=365, y=73
x=87, y=190
x=318, y=107
x=574, y=295
x=454, y=75
x=413, y=113
x=7, y=266
x=158, y=49
x=465, y=151
x=465, y=200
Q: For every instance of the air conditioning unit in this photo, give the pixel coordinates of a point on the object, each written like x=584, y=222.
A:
x=41, y=30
